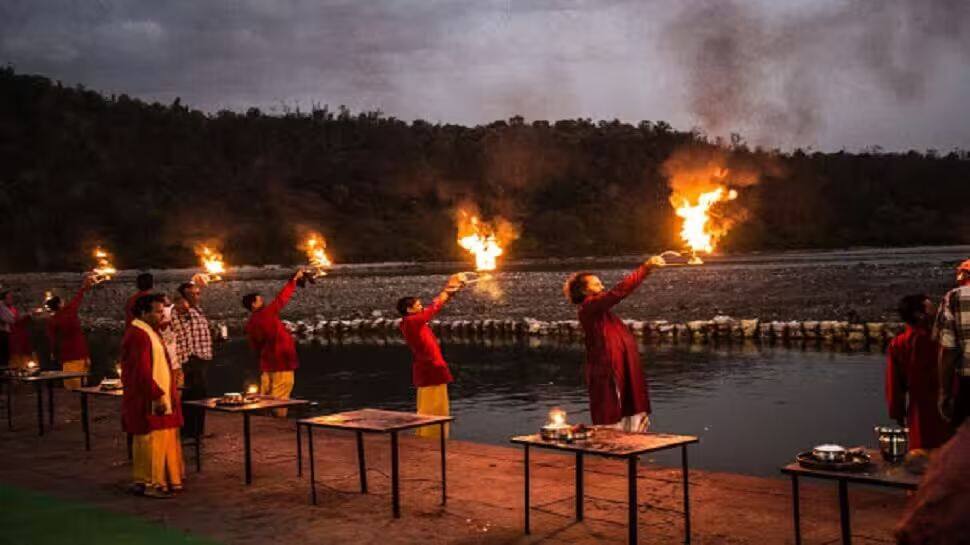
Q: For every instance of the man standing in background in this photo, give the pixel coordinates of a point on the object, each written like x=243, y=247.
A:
x=953, y=329
x=194, y=352
x=68, y=345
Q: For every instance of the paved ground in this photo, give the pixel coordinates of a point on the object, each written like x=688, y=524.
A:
x=485, y=491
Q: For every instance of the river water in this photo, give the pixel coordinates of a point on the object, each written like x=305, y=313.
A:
x=754, y=407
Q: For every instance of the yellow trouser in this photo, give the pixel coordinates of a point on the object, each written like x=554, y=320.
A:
x=157, y=459
x=433, y=400
x=278, y=384
x=82, y=366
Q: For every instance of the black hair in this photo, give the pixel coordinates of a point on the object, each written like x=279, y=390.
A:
x=404, y=303
x=53, y=304
x=145, y=281
x=143, y=305
x=574, y=288
x=248, y=300
x=183, y=287
x=912, y=308
x=4, y=294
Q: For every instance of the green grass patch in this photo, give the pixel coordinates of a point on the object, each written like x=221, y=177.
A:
x=29, y=518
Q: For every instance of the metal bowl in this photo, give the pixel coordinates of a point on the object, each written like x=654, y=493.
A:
x=893, y=443
x=830, y=453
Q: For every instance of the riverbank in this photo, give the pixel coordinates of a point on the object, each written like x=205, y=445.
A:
x=858, y=286
x=484, y=484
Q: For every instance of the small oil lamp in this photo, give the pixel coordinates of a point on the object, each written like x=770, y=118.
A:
x=252, y=390
x=555, y=427
x=118, y=371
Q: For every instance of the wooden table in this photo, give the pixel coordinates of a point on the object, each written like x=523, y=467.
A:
x=263, y=404
x=38, y=381
x=374, y=421
x=879, y=473
x=611, y=443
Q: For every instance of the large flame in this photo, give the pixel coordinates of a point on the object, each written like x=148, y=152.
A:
x=103, y=269
x=212, y=262
x=315, y=247
x=482, y=239
x=697, y=232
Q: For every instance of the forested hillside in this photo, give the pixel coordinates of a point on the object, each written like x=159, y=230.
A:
x=149, y=180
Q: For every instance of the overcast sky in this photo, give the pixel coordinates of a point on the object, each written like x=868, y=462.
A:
x=827, y=74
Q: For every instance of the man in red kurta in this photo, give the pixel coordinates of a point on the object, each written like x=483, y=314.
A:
x=271, y=341
x=68, y=344
x=614, y=375
x=429, y=372
x=145, y=283
x=150, y=408
x=912, y=376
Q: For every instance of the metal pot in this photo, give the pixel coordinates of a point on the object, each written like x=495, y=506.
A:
x=830, y=453
x=893, y=442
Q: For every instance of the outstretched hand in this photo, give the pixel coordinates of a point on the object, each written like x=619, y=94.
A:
x=656, y=261
x=455, y=283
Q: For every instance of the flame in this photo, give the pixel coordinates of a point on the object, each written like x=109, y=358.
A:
x=103, y=269
x=557, y=417
x=212, y=262
x=315, y=247
x=252, y=389
x=697, y=231
x=482, y=239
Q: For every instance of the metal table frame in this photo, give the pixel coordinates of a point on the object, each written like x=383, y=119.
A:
x=427, y=420
x=884, y=475
x=246, y=410
x=632, y=460
x=46, y=376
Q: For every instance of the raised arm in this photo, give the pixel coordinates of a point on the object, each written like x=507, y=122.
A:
x=285, y=294
x=455, y=283
x=75, y=303
x=626, y=286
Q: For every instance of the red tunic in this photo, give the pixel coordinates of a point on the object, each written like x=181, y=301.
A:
x=130, y=305
x=912, y=386
x=140, y=388
x=269, y=337
x=614, y=375
x=428, y=365
x=20, y=343
x=65, y=333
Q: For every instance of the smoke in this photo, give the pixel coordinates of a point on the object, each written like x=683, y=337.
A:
x=766, y=71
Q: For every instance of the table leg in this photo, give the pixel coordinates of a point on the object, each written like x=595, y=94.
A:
x=844, y=512
x=632, y=495
x=444, y=472
x=40, y=408
x=686, y=472
x=50, y=402
x=528, y=530
x=395, y=477
x=361, y=463
x=579, y=486
x=198, y=451
x=313, y=465
x=796, y=511
x=85, y=421
x=246, y=448
x=299, y=451
x=128, y=442
x=9, y=386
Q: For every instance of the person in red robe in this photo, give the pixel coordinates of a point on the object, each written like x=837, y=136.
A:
x=150, y=407
x=145, y=283
x=912, y=376
x=67, y=341
x=21, y=348
x=272, y=342
x=429, y=371
x=614, y=375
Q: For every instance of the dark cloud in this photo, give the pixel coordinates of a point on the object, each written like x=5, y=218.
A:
x=786, y=72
